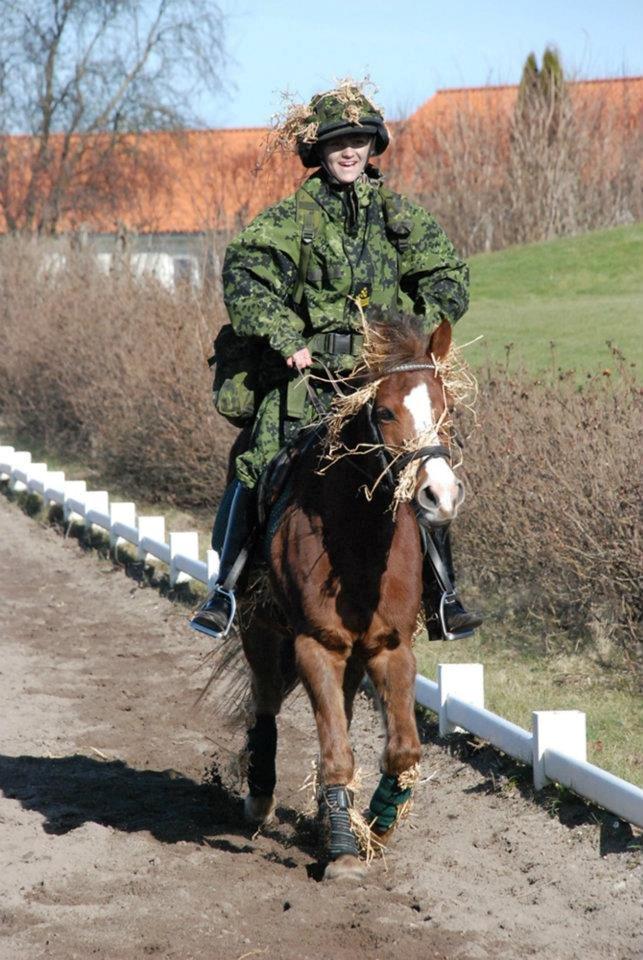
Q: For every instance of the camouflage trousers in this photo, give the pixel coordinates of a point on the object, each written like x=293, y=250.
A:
x=273, y=426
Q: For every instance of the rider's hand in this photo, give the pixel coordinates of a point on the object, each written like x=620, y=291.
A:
x=300, y=359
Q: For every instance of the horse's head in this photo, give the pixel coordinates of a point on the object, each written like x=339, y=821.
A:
x=411, y=413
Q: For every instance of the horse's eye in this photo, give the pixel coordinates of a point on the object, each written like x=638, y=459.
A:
x=384, y=415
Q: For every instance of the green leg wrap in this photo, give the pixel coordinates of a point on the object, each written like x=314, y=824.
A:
x=386, y=801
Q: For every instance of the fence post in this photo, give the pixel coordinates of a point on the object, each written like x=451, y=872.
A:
x=186, y=544
x=54, y=487
x=562, y=730
x=212, y=565
x=464, y=681
x=6, y=461
x=152, y=527
x=120, y=512
x=36, y=477
x=74, y=489
x=96, y=502
x=20, y=458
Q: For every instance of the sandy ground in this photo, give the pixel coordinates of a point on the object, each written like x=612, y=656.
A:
x=117, y=841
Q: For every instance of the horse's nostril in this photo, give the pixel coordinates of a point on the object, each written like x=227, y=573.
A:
x=429, y=496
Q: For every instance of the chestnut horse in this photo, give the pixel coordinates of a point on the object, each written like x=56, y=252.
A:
x=346, y=570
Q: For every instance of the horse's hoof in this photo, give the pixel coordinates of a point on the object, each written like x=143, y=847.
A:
x=383, y=839
x=258, y=810
x=346, y=867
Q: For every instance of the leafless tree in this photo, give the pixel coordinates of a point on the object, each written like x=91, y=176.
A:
x=80, y=81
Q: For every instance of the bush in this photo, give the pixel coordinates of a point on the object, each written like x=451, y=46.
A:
x=553, y=523
x=112, y=371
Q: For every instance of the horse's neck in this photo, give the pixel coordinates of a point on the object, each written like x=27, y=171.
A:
x=350, y=502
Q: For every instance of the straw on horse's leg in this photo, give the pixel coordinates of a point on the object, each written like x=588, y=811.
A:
x=393, y=674
x=322, y=672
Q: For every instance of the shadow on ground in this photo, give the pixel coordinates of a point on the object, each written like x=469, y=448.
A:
x=71, y=791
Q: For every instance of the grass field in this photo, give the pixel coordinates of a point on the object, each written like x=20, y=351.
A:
x=576, y=292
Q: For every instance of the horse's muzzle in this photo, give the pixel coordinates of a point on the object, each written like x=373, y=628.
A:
x=439, y=499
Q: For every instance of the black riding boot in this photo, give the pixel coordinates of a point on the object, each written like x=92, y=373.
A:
x=233, y=530
x=446, y=618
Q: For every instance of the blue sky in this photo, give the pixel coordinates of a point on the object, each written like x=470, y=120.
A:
x=410, y=48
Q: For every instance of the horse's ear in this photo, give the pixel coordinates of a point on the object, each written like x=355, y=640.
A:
x=440, y=341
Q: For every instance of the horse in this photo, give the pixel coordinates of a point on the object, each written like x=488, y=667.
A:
x=345, y=566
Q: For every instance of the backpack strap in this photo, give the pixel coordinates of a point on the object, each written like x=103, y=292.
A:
x=308, y=214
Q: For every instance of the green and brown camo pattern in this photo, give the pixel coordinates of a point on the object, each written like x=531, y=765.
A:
x=371, y=245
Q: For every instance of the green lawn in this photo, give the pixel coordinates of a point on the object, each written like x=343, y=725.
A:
x=576, y=292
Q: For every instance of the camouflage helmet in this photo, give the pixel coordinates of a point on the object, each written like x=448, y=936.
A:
x=336, y=112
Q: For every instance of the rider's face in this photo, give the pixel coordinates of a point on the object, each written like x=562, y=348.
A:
x=346, y=156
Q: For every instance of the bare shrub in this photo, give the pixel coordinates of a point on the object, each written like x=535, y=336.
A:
x=554, y=522
x=112, y=370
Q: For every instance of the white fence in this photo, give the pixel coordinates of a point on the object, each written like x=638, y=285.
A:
x=555, y=747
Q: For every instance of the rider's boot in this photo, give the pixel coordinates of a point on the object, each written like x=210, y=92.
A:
x=231, y=537
x=446, y=617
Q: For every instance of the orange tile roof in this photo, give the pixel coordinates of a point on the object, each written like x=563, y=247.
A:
x=623, y=92
x=219, y=179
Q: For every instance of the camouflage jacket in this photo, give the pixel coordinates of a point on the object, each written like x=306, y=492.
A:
x=371, y=244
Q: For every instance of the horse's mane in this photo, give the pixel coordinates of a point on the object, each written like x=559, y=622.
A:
x=391, y=339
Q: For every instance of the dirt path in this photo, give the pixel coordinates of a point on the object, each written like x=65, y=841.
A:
x=114, y=845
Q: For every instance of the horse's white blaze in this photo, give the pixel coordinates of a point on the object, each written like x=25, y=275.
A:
x=435, y=475
x=418, y=403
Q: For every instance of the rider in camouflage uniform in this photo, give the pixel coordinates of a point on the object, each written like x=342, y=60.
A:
x=369, y=247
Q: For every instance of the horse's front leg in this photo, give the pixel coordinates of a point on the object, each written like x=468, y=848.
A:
x=393, y=675
x=322, y=672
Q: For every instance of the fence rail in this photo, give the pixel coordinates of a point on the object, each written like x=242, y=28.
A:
x=556, y=746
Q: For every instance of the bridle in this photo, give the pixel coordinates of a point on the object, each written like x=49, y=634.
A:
x=392, y=466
